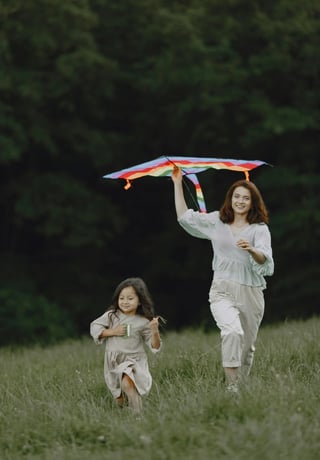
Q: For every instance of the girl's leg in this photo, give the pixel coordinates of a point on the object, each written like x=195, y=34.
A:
x=121, y=400
x=129, y=389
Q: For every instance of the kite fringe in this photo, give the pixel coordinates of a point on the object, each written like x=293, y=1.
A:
x=128, y=185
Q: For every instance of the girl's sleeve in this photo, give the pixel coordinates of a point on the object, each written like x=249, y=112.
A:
x=262, y=242
x=98, y=325
x=198, y=224
x=147, y=337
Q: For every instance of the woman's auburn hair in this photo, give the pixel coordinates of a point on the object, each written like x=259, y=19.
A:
x=258, y=212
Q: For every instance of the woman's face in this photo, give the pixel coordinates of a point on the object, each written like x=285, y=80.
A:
x=241, y=200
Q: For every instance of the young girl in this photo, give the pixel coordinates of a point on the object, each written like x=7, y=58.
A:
x=127, y=326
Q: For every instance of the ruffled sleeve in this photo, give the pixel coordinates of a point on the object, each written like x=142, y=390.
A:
x=98, y=325
x=262, y=242
x=199, y=224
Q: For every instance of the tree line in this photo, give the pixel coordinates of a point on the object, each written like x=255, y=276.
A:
x=88, y=87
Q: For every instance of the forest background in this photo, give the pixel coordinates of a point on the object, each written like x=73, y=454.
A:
x=88, y=87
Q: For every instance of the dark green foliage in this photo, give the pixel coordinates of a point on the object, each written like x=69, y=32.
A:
x=93, y=86
x=27, y=318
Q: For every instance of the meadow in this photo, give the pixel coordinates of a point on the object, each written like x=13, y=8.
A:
x=55, y=406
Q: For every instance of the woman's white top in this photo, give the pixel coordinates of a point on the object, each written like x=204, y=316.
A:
x=230, y=262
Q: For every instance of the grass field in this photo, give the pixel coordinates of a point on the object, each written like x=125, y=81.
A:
x=55, y=406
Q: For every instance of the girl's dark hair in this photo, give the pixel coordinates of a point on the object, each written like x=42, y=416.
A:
x=258, y=212
x=145, y=307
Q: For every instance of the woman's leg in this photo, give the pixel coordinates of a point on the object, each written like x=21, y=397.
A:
x=226, y=315
x=231, y=374
x=251, y=314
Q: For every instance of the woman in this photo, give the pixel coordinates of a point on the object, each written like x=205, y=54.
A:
x=242, y=257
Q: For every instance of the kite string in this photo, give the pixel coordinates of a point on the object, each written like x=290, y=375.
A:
x=191, y=194
x=185, y=183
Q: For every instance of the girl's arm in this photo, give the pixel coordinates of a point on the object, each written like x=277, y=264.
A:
x=179, y=200
x=118, y=331
x=100, y=328
x=155, y=336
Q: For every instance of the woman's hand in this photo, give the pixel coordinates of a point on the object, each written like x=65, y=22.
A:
x=244, y=244
x=180, y=202
x=258, y=256
x=176, y=175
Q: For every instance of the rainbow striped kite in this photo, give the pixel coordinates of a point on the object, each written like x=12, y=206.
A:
x=163, y=167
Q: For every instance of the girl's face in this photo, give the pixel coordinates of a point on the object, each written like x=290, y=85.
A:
x=241, y=200
x=128, y=301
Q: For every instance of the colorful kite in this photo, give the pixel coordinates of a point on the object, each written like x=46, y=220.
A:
x=163, y=167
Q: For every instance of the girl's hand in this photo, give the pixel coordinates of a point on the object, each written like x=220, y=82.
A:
x=154, y=324
x=119, y=331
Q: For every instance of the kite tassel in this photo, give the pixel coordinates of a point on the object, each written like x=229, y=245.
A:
x=128, y=185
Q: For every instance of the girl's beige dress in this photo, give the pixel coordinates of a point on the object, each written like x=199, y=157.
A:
x=125, y=355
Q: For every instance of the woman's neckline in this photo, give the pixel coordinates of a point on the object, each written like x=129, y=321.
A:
x=236, y=229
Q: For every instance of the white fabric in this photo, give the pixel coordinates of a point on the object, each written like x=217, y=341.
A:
x=236, y=294
x=230, y=262
x=238, y=312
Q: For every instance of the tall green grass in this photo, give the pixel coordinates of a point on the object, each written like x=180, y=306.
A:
x=55, y=406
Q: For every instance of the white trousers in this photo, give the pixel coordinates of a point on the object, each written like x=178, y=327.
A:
x=238, y=311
